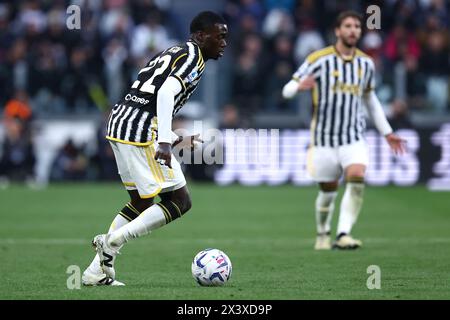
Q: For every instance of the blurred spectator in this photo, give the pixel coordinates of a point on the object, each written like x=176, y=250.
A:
x=103, y=161
x=230, y=117
x=244, y=17
x=253, y=8
x=6, y=64
x=115, y=23
x=278, y=21
x=308, y=40
x=311, y=13
x=70, y=163
x=437, y=10
x=17, y=155
x=31, y=18
x=372, y=43
x=400, y=44
x=399, y=115
x=18, y=65
x=287, y=5
x=148, y=39
x=18, y=107
x=74, y=71
x=248, y=75
x=402, y=51
x=435, y=64
x=281, y=68
x=115, y=55
x=406, y=13
x=78, y=80
x=45, y=76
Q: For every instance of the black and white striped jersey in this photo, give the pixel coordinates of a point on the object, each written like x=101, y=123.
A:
x=134, y=119
x=338, y=117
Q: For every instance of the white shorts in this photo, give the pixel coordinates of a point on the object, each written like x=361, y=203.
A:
x=139, y=170
x=326, y=164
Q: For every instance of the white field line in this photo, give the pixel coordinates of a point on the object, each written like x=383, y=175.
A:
x=247, y=240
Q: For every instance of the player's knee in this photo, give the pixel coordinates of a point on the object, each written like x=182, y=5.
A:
x=142, y=204
x=183, y=203
x=355, y=178
x=187, y=204
x=183, y=200
x=329, y=186
x=355, y=172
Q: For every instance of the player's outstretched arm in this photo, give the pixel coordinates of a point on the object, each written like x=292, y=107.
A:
x=292, y=87
x=375, y=110
x=396, y=143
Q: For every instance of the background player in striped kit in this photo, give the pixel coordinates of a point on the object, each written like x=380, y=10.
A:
x=342, y=79
x=140, y=133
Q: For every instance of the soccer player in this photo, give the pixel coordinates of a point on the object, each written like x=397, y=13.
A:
x=140, y=133
x=342, y=79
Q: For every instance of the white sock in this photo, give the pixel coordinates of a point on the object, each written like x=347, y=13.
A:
x=118, y=222
x=324, y=210
x=350, y=206
x=150, y=219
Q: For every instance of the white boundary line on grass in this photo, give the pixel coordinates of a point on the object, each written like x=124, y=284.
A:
x=303, y=241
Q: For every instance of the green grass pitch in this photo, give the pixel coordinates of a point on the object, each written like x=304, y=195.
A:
x=268, y=232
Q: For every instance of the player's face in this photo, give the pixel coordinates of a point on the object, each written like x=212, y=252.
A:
x=349, y=31
x=215, y=41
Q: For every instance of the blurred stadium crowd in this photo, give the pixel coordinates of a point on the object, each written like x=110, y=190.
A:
x=47, y=70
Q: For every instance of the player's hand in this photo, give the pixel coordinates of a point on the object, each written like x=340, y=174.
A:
x=306, y=83
x=189, y=141
x=164, y=154
x=396, y=143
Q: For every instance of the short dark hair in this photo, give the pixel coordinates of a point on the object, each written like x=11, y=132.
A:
x=205, y=20
x=345, y=14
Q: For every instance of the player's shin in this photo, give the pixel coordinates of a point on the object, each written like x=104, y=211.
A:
x=324, y=211
x=152, y=218
x=351, y=204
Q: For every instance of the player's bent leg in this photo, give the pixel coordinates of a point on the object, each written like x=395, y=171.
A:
x=173, y=206
x=94, y=274
x=145, y=187
x=350, y=207
x=324, y=212
x=108, y=245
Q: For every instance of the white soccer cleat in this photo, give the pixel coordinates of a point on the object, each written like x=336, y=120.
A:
x=90, y=278
x=106, y=253
x=347, y=242
x=323, y=242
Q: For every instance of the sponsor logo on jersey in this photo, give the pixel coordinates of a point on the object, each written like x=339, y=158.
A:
x=136, y=99
x=174, y=49
x=192, y=76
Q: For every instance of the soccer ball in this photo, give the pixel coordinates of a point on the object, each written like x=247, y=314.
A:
x=211, y=267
